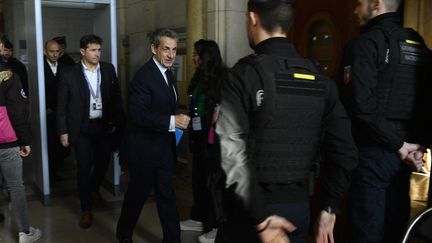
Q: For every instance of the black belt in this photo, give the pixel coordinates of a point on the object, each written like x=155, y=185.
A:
x=96, y=120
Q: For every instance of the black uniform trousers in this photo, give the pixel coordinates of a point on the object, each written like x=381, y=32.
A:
x=379, y=203
x=143, y=179
x=92, y=152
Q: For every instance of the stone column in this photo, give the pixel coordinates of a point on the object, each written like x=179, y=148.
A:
x=226, y=25
x=194, y=32
x=140, y=21
x=123, y=47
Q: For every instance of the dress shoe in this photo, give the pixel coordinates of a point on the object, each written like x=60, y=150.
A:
x=97, y=200
x=86, y=220
x=124, y=239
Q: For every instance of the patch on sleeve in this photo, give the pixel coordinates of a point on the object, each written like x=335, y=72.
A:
x=259, y=97
x=347, y=74
x=23, y=94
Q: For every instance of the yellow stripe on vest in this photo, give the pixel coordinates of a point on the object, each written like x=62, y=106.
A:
x=304, y=76
x=412, y=42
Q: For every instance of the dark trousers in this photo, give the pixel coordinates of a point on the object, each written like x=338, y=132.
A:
x=202, y=208
x=238, y=229
x=92, y=151
x=143, y=178
x=379, y=202
x=56, y=152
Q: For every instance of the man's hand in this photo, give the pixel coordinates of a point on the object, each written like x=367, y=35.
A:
x=25, y=151
x=412, y=155
x=182, y=121
x=408, y=148
x=324, y=228
x=64, y=140
x=415, y=160
x=274, y=230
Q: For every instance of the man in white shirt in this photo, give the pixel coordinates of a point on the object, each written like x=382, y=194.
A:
x=89, y=113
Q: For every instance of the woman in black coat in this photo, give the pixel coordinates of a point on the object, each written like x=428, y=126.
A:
x=204, y=93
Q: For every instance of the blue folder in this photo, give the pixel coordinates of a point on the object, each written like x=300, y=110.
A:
x=179, y=135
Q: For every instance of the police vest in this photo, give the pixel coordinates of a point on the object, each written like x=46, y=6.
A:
x=402, y=74
x=286, y=132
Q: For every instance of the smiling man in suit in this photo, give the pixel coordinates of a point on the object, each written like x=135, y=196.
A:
x=149, y=145
x=89, y=110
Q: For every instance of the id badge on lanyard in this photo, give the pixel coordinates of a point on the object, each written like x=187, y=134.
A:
x=196, y=124
x=97, y=104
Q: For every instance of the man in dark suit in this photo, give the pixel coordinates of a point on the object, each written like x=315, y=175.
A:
x=64, y=58
x=89, y=110
x=52, y=67
x=149, y=145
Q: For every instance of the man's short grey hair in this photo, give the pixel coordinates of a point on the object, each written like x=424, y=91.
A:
x=392, y=5
x=158, y=34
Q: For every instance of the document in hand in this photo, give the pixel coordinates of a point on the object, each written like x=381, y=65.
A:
x=179, y=135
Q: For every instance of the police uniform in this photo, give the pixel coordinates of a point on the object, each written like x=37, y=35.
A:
x=380, y=84
x=277, y=112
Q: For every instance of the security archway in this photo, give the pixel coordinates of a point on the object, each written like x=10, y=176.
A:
x=42, y=17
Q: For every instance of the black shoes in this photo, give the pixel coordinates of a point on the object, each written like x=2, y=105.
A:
x=124, y=239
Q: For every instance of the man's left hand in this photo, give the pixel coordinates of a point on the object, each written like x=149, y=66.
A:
x=325, y=226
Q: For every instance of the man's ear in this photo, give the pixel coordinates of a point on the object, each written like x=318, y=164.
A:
x=82, y=51
x=253, y=18
x=153, y=49
x=377, y=4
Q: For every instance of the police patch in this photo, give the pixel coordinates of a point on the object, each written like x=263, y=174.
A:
x=259, y=97
x=347, y=74
x=23, y=94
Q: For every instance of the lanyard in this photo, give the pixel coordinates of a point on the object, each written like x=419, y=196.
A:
x=94, y=94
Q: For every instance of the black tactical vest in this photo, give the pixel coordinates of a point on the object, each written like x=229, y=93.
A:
x=402, y=74
x=286, y=130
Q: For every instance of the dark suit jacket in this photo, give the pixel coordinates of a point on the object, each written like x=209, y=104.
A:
x=51, y=84
x=74, y=101
x=151, y=103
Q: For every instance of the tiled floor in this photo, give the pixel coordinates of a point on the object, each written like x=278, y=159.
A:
x=59, y=221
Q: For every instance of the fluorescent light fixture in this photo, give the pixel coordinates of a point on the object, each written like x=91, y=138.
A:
x=81, y=4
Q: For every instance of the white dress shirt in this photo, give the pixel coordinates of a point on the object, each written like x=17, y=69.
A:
x=53, y=66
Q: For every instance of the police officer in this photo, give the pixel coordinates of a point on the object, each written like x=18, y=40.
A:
x=277, y=112
x=382, y=75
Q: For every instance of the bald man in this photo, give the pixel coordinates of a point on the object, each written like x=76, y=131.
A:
x=56, y=152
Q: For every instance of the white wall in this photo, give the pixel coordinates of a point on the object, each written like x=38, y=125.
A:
x=74, y=23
